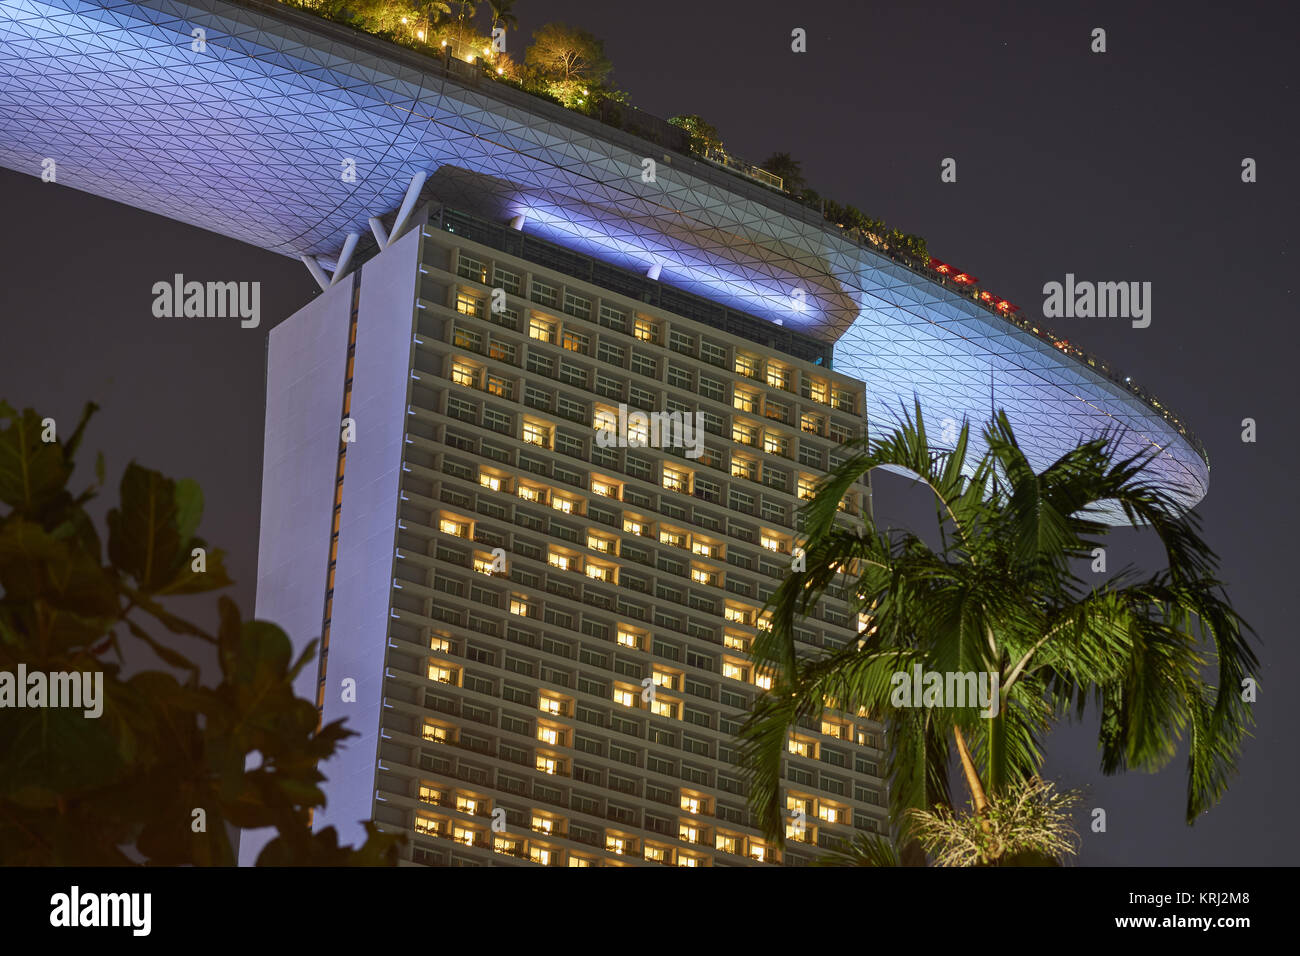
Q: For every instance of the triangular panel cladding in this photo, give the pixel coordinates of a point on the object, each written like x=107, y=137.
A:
x=249, y=137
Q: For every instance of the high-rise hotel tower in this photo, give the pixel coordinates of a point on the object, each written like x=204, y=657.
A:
x=535, y=623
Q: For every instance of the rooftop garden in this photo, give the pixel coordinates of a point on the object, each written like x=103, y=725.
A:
x=568, y=66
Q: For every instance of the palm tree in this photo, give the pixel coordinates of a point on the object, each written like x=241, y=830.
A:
x=998, y=596
x=431, y=12
x=503, y=14
x=788, y=168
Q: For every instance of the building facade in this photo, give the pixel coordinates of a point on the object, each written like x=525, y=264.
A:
x=541, y=635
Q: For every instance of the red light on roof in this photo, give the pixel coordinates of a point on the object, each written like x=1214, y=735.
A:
x=986, y=296
x=963, y=278
x=1003, y=305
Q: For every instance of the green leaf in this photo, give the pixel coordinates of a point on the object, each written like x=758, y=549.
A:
x=189, y=507
x=33, y=473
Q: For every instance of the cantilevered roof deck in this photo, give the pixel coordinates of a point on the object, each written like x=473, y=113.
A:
x=249, y=136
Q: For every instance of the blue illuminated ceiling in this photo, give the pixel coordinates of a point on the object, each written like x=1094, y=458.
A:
x=248, y=138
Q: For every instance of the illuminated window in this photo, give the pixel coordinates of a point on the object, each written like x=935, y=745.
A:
x=688, y=833
x=599, y=572
x=735, y=671
x=704, y=576
x=543, y=824
x=451, y=526
x=725, y=842
x=816, y=391
x=485, y=565
x=465, y=339
x=742, y=467
x=575, y=342
x=550, y=705
x=690, y=804
x=802, y=748
x=864, y=622
x=638, y=431
x=675, y=480
x=560, y=503
x=778, y=376
x=541, y=854
x=624, y=697
x=503, y=844
x=519, y=606
x=738, y=615
x=436, y=733
x=744, y=434
x=428, y=826
x=747, y=365
x=464, y=374
x=439, y=643
x=807, y=487
x=771, y=541
x=467, y=304
x=628, y=638
x=442, y=674
x=745, y=400
x=548, y=735
x=547, y=764
x=847, y=504
x=841, y=399
x=604, y=420
x=775, y=444
x=812, y=423
x=664, y=679
x=529, y=494
x=763, y=680
x=615, y=845
x=430, y=794
x=605, y=489
x=561, y=561
x=645, y=330
x=797, y=832
x=835, y=729
x=467, y=804
x=758, y=852
x=490, y=481
x=830, y=814
x=736, y=643
x=602, y=544
x=672, y=537
x=656, y=853
x=706, y=549
x=687, y=860
x=764, y=622
x=578, y=861
x=500, y=387
x=535, y=434
x=633, y=526
x=664, y=707
x=541, y=329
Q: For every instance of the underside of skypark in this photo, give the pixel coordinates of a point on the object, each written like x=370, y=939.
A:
x=252, y=136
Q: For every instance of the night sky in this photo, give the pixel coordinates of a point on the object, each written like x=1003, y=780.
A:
x=1117, y=166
